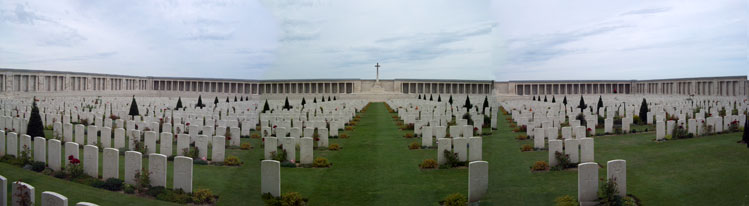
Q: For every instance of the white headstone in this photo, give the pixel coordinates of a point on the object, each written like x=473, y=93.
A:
x=91, y=160
x=53, y=199
x=617, y=170
x=475, y=149
x=183, y=173
x=53, y=154
x=442, y=145
x=20, y=188
x=133, y=165
x=157, y=167
x=478, y=180
x=587, y=150
x=219, y=149
x=305, y=150
x=270, y=176
x=111, y=164
x=587, y=183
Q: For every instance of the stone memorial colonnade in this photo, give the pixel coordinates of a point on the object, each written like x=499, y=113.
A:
x=33, y=82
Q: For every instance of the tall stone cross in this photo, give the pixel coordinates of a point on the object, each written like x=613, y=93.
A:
x=377, y=81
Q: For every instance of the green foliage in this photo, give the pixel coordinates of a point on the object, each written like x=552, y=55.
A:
x=279, y=155
x=38, y=166
x=232, y=161
x=540, y=166
x=155, y=191
x=113, y=184
x=321, y=162
x=35, y=127
x=286, y=199
x=177, y=196
x=129, y=189
x=582, y=104
x=74, y=170
x=563, y=161
x=286, y=105
x=608, y=194
x=202, y=196
x=179, y=103
x=451, y=159
x=455, y=199
x=644, y=112
x=200, y=102
x=142, y=180
x=745, y=137
x=133, y=108
x=468, y=104
x=566, y=200
x=266, y=107
x=428, y=164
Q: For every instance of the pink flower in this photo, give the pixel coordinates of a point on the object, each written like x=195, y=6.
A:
x=203, y=158
x=292, y=161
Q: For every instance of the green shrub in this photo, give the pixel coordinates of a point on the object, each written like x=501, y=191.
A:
x=540, y=166
x=177, y=196
x=321, y=162
x=129, y=189
x=428, y=164
x=59, y=174
x=608, y=194
x=38, y=166
x=292, y=199
x=113, y=184
x=245, y=146
x=288, y=164
x=455, y=199
x=232, y=161
x=526, y=147
x=155, y=191
x=563, y=161
x=279, y=155
x=199, y=161
x=97, y=183
x=414, y=145
x=142, y=179
x=202, y=196
x=566, y=201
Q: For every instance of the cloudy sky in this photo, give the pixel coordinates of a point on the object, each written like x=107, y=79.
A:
x=435, y=39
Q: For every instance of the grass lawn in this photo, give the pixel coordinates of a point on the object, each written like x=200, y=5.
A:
x=375, y=167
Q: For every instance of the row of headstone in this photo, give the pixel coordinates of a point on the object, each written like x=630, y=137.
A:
x=467, y=149
x=577, y=150
x=23, y=193
x=587, y=180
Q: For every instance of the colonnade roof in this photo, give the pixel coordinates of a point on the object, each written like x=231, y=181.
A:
x=66, y=72
x=445, y=80
x=697, y=78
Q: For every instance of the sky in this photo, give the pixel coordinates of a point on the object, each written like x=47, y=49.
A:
x=416, y=39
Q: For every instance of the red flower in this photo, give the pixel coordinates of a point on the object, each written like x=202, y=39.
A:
x=188, y=124
x=475, y=129
x=274, y=126
x=70, y=157
x=317, y=139
x=589, y=129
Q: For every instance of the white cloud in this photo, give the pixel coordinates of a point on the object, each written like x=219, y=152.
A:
x=441, y=39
